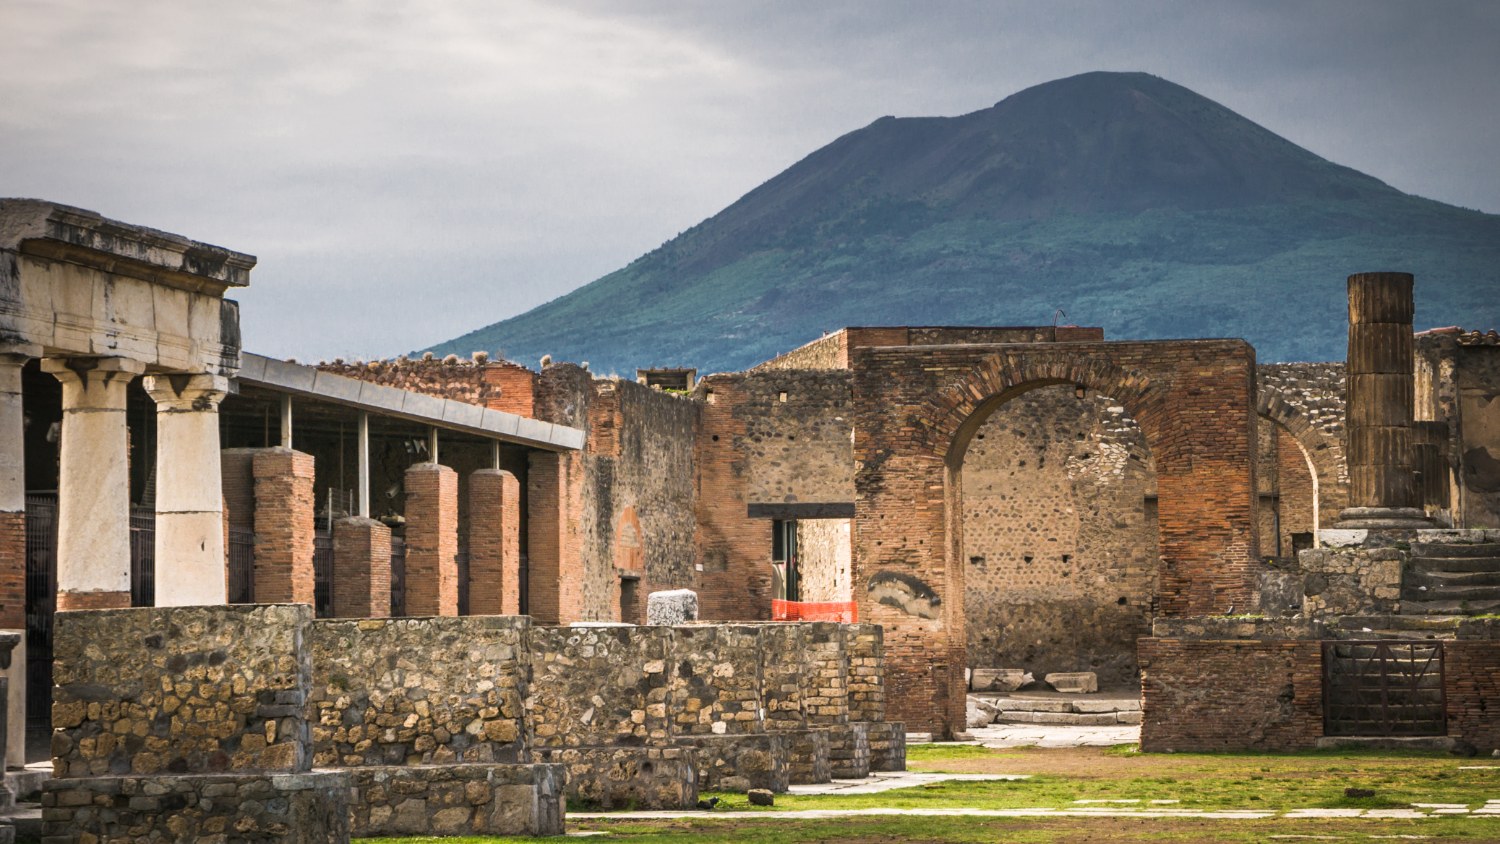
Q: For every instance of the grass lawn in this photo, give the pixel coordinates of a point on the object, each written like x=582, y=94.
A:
x=1278, y=783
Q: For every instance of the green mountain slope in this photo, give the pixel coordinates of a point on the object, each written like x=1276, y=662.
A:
x=1125, y=200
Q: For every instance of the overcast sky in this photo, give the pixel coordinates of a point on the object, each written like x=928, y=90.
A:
x=408, y=171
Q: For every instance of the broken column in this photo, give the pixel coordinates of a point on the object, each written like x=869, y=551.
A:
x=494, y=543
x=1381, y=399
x=431, y=540
x=93, y=496
x=190, y=566
x=361, y=568
x=284, y=526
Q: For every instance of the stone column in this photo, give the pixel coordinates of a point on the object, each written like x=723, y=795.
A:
x=190, y=568
x=284, y=527
x=93, y=500
x=494, y=543
x=1381, y=400
x=431, y=540
x=361, y=568
x=13, y=543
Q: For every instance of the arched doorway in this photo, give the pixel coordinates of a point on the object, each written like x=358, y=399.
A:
x=1060, y=543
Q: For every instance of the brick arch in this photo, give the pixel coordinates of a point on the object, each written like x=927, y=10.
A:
x=1324, y=454
x=957, y=412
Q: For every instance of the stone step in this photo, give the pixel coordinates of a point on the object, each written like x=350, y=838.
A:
x=1455, y=549
x=1074, y=719
x=1386, y=742
x=1453, y=564
x=1445, y=577
x=1417, y=627
x=1451, y=593
x=1450, y=607
x=1082, y=707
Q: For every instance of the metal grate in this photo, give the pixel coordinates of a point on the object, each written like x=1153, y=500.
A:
x=398, y=576
x=241, y=566
x=1384, y=688
x=41, y=602
x=142, y=557
x=323, y=573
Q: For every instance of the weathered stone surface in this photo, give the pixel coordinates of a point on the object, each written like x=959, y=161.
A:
x=849, y=750
x=420, y=691
x=1351, y=581
x=457, y=800
x=304, y=808
x=807, y=756
x=181, y=690
x=620, y=777
x=1073, y=682
x=887, y=741
x=998, y=679
x=715, y=680
x=740, y=763
x=600, y=686
x=761, y=797
x=977, y=714
x=673, y=606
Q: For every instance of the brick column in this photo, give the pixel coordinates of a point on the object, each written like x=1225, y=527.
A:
x=555, y=588
x=190, y=526
x=361, y=568
x=1381, y=401
x=494, y=543
x=13, y=543
x=284, y=511
x=431, y=540
x=93, y=498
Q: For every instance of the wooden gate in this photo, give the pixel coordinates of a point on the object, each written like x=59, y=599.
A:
x=1383, y=688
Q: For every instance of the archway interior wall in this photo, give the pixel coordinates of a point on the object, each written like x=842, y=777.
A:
x=1192, y=399
x=1288, y=490
x=1059, y=536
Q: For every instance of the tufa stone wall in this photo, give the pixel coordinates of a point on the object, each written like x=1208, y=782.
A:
x=824, y=559
x=419, y=691
x=1060, y=536
x=458, y=800
x=716, y=680
x=180, y=690
x=1351, y=581
x=600, y=686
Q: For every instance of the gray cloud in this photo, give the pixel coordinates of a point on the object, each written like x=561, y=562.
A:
x=408, y=171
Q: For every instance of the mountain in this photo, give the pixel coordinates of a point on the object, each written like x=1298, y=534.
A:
x=1124, y=200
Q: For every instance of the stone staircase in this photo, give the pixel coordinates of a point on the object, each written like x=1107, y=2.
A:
x=1452, y=579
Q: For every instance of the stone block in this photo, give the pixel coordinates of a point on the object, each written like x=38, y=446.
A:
x=849, y=750
x=887, y=741
x=458, y=800
x=306, y=808
x=998, y=679
x=807, y=756
x=673, y=606
x=740, y=763
x=1073, y=682
x=633, y=777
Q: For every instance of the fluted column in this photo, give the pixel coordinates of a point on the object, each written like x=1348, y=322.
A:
x=93, y=496
x=1381, y=402
x=190, y=569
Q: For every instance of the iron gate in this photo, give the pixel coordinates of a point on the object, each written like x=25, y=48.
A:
x=1384, y=688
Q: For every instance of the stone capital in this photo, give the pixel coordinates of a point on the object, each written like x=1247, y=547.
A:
x=13, y=356
x=91, y=383
x=186, y=392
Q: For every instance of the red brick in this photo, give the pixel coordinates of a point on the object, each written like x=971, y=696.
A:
x=494, y=543
x=361, y=569
x=284, y=528
x=431, y=540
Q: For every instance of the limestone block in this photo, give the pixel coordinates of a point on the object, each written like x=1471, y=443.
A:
x=673, y=606
x=1073, y=682
x=461, y=800
x=978, y=714
x=999, y=679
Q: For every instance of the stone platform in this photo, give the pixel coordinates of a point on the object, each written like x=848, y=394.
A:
x=457, y=800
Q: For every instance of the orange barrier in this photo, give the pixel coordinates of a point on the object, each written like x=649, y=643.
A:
x=845, y=611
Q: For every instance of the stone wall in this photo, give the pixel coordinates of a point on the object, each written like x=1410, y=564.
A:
x=174, y=690
x=600, y=686
x=419, y=691
x=824, y=560
x=1351, y=581
x=715, y=671
x=1316, y=390
x=1471, y=675
x=458, y=800
x=1060, y=536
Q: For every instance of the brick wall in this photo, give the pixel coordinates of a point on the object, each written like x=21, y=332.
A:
x=237, y=471
x=284, y=509
x=915, y=408
x=498, y=385
x=1059, y=544
x=1306, y=402
x=554, y=583
x=1235, y=694
x=494, y=543
x=431, y=540
x=13, y=571
x=1471, y=674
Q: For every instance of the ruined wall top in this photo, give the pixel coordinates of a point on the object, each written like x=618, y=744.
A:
x=73, y=283
x=831, y=351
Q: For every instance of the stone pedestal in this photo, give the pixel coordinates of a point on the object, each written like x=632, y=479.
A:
x=190, y=567
x=361, y=568
x=93, y=499
x=1381, y=401
x=494, y=543
x=431, y=540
